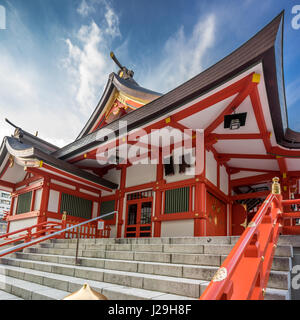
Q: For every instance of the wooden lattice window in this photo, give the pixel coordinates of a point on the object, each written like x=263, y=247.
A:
x=177, y=200
x=24, y=202
x=107, y=207
x=76, y=206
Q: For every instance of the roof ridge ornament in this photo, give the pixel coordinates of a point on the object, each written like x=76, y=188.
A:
x=123, y=72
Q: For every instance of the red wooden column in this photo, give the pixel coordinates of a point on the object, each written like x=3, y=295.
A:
x=158, y=197
x=200, y=209
x=121, y=197
x=44, y=202
x=200, y=188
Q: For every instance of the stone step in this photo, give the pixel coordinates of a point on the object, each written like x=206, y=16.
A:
x=69, y=248
x=69, y=284
x=279, y=263
x=278, y=279
x=164, y=269
x=277, y=294
x=180, y=269
x=179, y=286
x=28, y=290
x=163, y=240
x=292, y=240
x=272, y=294
x=8, y=296
x=212, y=257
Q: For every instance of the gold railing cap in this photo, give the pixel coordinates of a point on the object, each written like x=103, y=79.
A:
x=276, y=186
x=85, y=293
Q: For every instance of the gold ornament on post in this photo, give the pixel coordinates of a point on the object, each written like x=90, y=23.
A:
x=64, y=216
x=85, y=293
x=11, y=161
x=276, y=186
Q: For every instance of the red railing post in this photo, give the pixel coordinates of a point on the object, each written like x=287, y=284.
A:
x=29, y=236
x=245, y=272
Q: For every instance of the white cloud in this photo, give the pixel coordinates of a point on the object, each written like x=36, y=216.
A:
x=29, y=99
x=88, y=63
x=84, y=9
x=28, y=105
x=112, y=22
x=184, y=56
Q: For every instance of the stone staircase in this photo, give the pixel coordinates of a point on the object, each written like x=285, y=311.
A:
x=122, y=269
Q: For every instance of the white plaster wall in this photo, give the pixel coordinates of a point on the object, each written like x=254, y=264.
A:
x=37, y=201
x=113, y=175
x=211, y=167
x=63, y=184
x=35, y=182
x=89, y=192
x=15, y=206
x=55, y=220
x=53, y=201
x=123, y=217
x=95, y=210
x=20, y=224
x=140, y=174
x=177, y=228
x=190, y=172
x=107, y=193
x=113, y=232
x=223, y=180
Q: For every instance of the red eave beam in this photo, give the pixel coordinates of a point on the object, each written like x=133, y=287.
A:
x=7, y=184
x=238, y=169
x=243, y=136
x=245, y=156
x=212, y=100
x=252, y=180
x=250, y=195
x=234, y=104
x=197, y=107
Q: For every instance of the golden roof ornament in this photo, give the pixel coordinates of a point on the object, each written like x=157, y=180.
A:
x=276, y=186
x=85, y=293
x=124, y=72
x=11, y=161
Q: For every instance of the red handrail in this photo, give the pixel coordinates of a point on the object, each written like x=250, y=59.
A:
x=48, y=230
x=29, y=229
x=245, y=272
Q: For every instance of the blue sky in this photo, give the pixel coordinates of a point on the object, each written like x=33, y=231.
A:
x=54, y=54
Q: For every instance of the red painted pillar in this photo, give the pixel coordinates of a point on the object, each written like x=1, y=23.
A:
x=229, y=212
x=158, y=197
x=121, y=197
x=44, y=202
x=200, y=209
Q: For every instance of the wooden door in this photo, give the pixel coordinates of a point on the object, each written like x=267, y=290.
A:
x=239, y=219
x=138, y=218
x=216, y=223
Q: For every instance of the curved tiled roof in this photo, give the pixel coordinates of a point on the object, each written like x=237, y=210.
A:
x=260, y=48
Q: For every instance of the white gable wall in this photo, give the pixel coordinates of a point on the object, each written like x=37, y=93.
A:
x=224, y=180
x=211, y=167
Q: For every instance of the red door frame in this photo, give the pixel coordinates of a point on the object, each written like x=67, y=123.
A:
x=138, y=226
